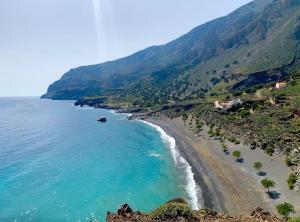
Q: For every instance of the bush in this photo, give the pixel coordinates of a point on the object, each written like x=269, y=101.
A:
x=224, y=147
x=173, y=211
x=292, y=180
x=288, y=161
x=244, y=113
x=270, y=150
x=211, y=132
x=237, y=142
x=218, y=132
x=236, y=154
x=232, y=139
x=184, y=117
x=295, y=219
x=199, y=126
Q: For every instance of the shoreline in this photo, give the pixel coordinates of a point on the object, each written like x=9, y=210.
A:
x=225, y=185
x=228, y=186
x=209, y=198
x=191, y=186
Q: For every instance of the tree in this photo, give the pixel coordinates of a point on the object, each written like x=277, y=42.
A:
x=267, y=184
x=258, y=166
x=236, y=154
x=285, y=209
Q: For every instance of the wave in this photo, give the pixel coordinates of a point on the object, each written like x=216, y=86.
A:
x=154, y=154
x=191, y=186
x=85, y=107
x=115, y=112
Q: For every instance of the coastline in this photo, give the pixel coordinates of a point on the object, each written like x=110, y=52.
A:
x=192, y=189
x=219, y=181
x=227, y=186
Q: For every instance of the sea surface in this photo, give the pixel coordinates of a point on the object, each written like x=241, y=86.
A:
x=57, y=163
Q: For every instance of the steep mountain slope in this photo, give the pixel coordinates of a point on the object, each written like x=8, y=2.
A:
x=259, y=36
x=206, y=44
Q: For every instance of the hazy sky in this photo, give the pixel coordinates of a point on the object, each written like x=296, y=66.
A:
x=42, y=39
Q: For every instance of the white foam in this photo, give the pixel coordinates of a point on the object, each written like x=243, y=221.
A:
x=154, y=154
x=112, y=111
x=85, y=107
x=116, y=112
x=191, y=186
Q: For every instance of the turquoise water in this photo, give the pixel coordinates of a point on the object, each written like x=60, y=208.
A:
x=57, y=163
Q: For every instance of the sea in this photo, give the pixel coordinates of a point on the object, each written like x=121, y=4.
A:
x=57, y=163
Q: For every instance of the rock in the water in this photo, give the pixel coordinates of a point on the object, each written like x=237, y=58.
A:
x=125, y=210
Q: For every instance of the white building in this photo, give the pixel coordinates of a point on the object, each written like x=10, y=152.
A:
x=280, y=85
x=228, y=105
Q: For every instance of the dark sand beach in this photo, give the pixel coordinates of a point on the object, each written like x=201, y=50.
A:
x=227, y=185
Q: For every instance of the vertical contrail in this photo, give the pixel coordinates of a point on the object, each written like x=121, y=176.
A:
x=99, y=27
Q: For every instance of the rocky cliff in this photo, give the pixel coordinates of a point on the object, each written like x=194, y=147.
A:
x=180, y=212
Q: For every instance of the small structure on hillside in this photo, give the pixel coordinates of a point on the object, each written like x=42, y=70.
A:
x=280, y=85
x=228, y=105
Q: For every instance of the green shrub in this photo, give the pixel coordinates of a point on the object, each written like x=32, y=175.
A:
x=232, y=139
x=199, y=126
x=211, y=132
x=224, y=147
x=237, y=142
x=292, y=180
x=244, y=113
x=288, y=161
x=218, y=132
x=295, y=219
x=236, y=154
x=270, y=150
x=184, y=117
x=173, y=211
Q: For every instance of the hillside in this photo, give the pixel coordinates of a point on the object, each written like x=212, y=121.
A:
x=262, y=35
x=236, y=58
x=173, y=212
x=239, y=56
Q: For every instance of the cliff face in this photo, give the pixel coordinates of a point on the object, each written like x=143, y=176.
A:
x=175, y=212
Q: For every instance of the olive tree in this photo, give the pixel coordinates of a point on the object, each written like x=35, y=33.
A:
x=236, y=154
x=267, y=184
x=285, y=209
x=258, y=166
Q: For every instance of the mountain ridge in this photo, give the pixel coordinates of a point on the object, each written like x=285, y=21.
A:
x=200, y=44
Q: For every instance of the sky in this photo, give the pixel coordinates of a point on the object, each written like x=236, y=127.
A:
x=40, y=40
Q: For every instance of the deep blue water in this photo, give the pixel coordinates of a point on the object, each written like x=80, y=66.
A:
x=57, y=163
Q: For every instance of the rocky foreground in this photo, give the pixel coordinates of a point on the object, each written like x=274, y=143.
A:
x=178, y=211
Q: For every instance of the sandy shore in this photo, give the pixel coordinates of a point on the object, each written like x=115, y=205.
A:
x=227, y=185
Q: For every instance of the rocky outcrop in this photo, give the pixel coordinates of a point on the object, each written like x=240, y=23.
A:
x=126, y=214
x=178, y=211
